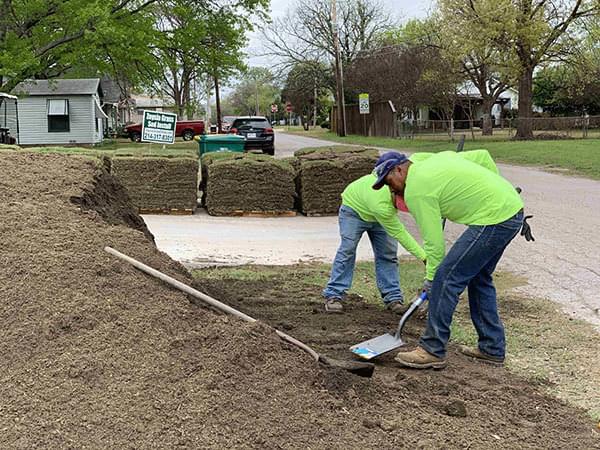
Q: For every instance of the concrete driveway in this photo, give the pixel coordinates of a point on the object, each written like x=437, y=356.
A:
x=563, y=264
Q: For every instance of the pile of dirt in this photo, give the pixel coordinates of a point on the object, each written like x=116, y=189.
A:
x=159, y=183
x=98, y=355
x=323, y=174
x=239, y=183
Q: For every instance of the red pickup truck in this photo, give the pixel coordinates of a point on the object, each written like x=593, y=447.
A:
x=185, y=128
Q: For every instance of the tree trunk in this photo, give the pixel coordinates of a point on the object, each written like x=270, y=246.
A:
x=525, y=122
x=487, y=127
x=218, y=104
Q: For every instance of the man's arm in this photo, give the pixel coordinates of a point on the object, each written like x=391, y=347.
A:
x=389, y=220
x=426, y=211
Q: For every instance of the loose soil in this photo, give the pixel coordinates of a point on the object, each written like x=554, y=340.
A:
x=468, y=405
x=98, y=355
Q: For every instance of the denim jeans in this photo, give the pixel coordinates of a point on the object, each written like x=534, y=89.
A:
x=470, y=264
x=385, y=248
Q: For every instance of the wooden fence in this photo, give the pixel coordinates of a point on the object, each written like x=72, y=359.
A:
x=380, y=121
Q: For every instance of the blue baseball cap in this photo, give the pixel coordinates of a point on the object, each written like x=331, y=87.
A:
x=385, y=164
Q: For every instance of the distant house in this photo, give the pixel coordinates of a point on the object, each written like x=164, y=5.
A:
x=58, y=112
x=469, y=107
x=143, y=102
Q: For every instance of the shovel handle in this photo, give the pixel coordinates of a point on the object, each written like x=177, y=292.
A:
x=409, y=312
x=206, y=298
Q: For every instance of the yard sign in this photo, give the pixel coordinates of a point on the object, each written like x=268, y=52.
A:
x=363, y=103
x=159, y=127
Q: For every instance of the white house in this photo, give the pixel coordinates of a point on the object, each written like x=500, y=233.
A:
x=58, y=112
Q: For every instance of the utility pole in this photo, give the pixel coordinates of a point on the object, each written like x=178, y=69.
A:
x=315, y=105
x=339, y=77
x=218, y=103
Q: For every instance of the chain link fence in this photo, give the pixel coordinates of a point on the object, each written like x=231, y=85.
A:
x=581, y=127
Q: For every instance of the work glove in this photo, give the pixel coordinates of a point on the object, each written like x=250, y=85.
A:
x=426, y=287
x=526, y=230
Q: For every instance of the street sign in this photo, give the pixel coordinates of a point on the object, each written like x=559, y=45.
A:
x=274, y=108
x=159, y=127
x=363, y=103
x=289, y=107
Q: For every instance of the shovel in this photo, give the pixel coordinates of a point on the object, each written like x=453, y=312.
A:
x=385, y=343
x=356, y=367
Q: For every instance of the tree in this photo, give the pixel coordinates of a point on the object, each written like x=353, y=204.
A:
x=527, y=33
x=452, y=30
x=197, y=41
x=47, y=39
x=409, y=75
x=308, y=30
x=255, y=92
x=307, y=86
x=310, y=34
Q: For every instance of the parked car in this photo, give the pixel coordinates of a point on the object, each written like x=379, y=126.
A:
x=226, y=122
x=257, y=131
x=186, y=129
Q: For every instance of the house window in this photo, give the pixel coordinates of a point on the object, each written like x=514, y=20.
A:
x=58, y=116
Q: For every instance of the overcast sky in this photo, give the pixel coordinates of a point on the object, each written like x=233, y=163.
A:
x=399, y=9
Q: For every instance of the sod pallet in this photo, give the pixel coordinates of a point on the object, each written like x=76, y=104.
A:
x=247, y=184
x=159, y=185
x=323, y=173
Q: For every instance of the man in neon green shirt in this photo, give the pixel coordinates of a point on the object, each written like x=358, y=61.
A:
x=468, y=191
x=366, y=210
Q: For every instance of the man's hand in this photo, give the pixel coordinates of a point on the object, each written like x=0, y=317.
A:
x=426, y=287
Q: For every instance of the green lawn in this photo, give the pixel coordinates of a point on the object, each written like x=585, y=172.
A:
x=576, y=156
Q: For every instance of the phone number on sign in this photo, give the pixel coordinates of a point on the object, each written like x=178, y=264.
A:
x=158, y=136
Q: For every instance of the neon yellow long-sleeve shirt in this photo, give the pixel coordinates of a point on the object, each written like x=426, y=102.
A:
x=376, y=206
x=453, y=186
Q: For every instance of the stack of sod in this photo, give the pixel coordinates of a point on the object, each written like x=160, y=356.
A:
x=324, y=173
x=159, y=183
x=238, y=183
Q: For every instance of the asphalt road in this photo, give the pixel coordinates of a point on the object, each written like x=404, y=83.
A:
x=562, y=265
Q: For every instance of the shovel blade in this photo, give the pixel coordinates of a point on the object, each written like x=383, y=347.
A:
x=377, y=346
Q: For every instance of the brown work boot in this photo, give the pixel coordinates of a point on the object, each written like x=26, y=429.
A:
x=334, y=305
x=397, y=307
x=419, y=358
x=474, y=352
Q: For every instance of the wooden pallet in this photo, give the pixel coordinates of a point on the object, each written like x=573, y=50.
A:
x=310, y=214
x=241, y=213
x=173, y=212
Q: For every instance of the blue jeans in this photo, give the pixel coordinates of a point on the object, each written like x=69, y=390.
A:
x=470, y=264
x=385, y=248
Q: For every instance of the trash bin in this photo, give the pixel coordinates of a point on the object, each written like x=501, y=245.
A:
x=220, y=143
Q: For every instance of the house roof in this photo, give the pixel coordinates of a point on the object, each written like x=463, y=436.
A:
x=142, y=101
x=79, y=86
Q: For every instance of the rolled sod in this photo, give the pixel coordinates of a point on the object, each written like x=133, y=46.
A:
x=323, y=173
x=159, y=183
x=248, y=183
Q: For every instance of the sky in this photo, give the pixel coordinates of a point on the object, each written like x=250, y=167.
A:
x=399, y=9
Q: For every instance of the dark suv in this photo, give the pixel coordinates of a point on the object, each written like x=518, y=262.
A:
x=257, y=131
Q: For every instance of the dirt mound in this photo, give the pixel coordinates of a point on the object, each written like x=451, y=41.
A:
x=324, y=173
x=159, y=183
x=98, y=355
x=249, y=183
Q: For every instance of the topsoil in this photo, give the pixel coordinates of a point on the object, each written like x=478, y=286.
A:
x=98, y=355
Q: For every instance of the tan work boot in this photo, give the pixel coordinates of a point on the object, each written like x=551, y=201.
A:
x=397, y=307
x=334, y=305
x=474, y=352
x=419, y=358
